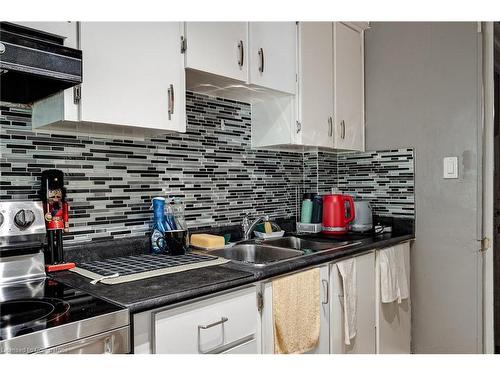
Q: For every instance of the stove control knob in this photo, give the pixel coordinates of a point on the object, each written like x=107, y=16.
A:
x=24, y=218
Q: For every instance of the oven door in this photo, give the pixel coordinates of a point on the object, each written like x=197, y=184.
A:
x=111, y=342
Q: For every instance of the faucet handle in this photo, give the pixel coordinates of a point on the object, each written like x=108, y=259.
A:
x=246, y=221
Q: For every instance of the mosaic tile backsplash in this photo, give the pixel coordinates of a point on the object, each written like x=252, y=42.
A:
x=111, y=182
x=385, y=178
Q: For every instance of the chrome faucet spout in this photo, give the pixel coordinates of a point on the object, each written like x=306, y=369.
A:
x=249, y=227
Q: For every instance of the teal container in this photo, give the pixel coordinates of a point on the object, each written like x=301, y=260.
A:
x=307, y=208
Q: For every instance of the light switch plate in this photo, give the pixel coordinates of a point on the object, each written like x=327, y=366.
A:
x=450, y=167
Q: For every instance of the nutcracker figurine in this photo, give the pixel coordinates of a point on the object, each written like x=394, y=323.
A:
x=55, y=207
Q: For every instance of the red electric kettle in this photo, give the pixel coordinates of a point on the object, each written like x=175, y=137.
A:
x=335, y=211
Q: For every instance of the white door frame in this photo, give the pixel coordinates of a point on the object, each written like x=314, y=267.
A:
x=488, y=186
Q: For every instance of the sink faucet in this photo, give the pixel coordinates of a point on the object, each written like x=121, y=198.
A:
x=249, y=227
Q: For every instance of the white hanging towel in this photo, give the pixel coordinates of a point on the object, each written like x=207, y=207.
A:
x=347, y=269
x=402, y=278
x=393, y=282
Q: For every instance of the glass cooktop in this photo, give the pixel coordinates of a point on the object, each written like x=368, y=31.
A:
x=42, y=304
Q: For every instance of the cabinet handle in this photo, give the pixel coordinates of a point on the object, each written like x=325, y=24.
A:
x=261, y=60
x=241, y=53
x=342, y=129
x=207, y=326
x=221, y=321
x=171, y=101
x=326, y=292
x=109, y=344
x=330, y=126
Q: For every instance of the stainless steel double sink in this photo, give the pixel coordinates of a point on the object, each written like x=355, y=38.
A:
x=262, y=253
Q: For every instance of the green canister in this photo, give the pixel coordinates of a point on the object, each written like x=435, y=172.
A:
x=307, y=208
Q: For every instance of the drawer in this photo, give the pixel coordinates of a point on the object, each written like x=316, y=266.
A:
x=213, y=325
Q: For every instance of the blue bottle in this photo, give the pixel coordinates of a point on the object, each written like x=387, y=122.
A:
x=159, y=225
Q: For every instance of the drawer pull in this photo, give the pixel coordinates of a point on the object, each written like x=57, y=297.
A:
x=221, y=321
x=207, y=326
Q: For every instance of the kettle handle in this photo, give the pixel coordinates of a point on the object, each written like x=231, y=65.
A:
x=352, y=214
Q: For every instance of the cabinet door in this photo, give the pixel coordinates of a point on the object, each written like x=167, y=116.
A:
x=273, y=55
x=267, y=321
x=348, y=80
x=316, y=83
x=324, y=309
x=133, y=74
x=365, y=340
x=218, y=47
x=65, y=29
x=393, y=319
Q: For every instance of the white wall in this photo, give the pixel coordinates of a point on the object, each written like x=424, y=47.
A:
x=423, y=91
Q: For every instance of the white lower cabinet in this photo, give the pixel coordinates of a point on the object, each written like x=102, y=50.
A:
x=223, y=324
x=394, y=319
x=324, y=309
x=267, y=323
x=364, y=341
x=241, y=321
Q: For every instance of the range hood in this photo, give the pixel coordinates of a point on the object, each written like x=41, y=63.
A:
x=34, y=64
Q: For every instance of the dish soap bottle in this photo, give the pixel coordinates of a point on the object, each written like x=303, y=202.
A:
x=159, y=226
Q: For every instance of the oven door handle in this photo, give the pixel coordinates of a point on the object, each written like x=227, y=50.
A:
x=116, y=341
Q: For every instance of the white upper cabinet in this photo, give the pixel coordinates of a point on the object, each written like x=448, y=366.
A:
x=273, y=55
x=218, y=47
x=348, y=80
x=133, y=76
x=330, y=94
x=315, y=98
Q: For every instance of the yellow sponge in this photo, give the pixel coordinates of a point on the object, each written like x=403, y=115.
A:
x=207, y=241
x=268, y=228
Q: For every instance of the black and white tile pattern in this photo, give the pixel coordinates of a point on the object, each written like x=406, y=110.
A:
x=111, y=181
x=214, y=170
x=385, y=178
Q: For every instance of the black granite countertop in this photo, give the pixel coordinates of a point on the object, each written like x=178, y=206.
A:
x=164, y=290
